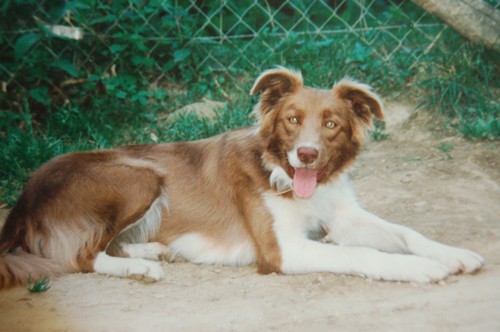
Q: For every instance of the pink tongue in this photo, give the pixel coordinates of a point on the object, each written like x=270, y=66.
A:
x=304, y=182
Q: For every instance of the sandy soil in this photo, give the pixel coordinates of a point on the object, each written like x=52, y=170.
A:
x=453, y=197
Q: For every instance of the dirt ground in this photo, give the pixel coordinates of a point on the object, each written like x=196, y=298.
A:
x=452, y=196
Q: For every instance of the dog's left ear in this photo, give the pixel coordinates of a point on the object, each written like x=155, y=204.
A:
x=363, y=101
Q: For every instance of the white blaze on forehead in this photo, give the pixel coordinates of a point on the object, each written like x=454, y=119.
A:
x=309, y=135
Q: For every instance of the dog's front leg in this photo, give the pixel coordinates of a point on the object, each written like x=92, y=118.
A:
x=357, y=227
x=302, y=255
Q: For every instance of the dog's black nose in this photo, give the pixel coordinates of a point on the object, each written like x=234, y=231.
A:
x=307, y=155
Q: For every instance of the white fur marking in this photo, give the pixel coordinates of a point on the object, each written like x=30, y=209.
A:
x=199, y=249
x=143, y=163
x=127, y=267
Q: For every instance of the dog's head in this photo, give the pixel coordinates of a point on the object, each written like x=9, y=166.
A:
x=311, y=134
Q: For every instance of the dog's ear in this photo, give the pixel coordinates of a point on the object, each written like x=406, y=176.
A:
x=362, y=100
x=273, y=84
x=280, y=80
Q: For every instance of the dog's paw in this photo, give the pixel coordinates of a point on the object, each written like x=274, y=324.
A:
x=411, y=269
x=459, y=260
x=424, y=270
x=145, y=271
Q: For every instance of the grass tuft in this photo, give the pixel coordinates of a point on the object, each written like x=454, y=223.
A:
x=39, y=285
x=378, y=132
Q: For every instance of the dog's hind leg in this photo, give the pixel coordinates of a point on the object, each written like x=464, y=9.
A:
x=124, y=255
x=72, y=211
x=136, y=268
x=133, y=241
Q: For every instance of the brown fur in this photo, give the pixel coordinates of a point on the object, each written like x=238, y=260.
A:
x=75, y=205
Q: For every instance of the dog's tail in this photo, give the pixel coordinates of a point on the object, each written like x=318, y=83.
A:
x=18, y=268
x=17, y=264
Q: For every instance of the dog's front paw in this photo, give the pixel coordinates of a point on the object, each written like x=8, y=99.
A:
x=396, y=267
x=421, y=270
x=459, y=260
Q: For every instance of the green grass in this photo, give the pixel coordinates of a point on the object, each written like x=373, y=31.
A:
x=27, y=141
x=378, y=132
x=39, y=285
x=462, y=86
x=446, y=149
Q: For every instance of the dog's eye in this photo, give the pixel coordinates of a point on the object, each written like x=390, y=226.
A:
x=329, y=124
x=293, y=120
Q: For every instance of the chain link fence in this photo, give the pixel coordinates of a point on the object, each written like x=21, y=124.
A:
x=61, y=43
x=320, y=20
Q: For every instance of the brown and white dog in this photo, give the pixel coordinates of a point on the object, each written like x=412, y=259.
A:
x=251, y=195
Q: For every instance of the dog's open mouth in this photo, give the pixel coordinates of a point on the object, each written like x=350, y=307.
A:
x=305, y=181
